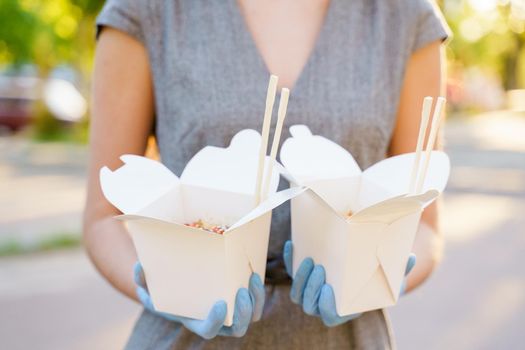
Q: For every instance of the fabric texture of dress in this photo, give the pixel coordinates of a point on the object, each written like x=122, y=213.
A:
x=210, y=82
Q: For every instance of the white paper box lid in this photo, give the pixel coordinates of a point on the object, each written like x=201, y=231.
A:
x=331, y=171
x=232, y=169
x=136, y=184
x=311, y=157
x=393, y=173
x=146, y=187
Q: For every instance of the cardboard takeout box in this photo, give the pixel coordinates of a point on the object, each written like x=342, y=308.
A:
x=365, y=254
x=188, y=269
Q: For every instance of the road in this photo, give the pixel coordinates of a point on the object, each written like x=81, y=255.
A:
x=42, y=190
x=475, y=300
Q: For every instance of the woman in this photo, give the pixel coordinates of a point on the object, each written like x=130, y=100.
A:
x=195, y=73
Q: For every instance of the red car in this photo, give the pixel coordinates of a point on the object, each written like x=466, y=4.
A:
x=17, y=100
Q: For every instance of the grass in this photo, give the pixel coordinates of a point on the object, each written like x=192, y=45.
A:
x=46, y=128
x=10, y=248
x=53, y=242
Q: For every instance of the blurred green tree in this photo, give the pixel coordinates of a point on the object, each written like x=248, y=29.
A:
x=489, y=35
x=47, y=34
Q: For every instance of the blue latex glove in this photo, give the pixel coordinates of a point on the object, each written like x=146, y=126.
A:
x=248, y=307
x=311, y=292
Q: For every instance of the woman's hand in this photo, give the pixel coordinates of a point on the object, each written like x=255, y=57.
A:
x=248, y=308
x=310, y=290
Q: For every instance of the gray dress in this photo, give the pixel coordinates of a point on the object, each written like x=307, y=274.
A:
x=210, y=82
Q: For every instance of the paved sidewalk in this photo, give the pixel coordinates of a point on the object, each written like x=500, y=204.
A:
x=57, y=300
x=42, y=190
x=475, y=300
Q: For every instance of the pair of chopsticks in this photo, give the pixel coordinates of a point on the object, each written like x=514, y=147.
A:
x=416, y=182
x=262, y=185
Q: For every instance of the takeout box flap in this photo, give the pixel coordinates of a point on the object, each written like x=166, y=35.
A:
x=394, y=173
x=363, y=239
x=312, y=157
x=377, y=280
x=397, y=242
x=168, y=225
x=137, y=183
x=266, y=206
x=272, y=202
x=383, y=233
x=381, y=284
x=374, y=292
x=341, y=194
x=233, y=168
x=395, y=208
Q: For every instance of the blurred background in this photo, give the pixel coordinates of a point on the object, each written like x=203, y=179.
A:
x=52, y=298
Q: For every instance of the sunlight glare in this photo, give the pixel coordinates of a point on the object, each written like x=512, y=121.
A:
x=483, y=5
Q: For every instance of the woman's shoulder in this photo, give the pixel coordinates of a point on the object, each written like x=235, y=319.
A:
x=421, y=21
x=134, y=17
x=406, y=9
x=410, y=6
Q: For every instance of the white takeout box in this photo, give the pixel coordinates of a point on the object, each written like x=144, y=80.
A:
x=188, y=269
x=364, y=256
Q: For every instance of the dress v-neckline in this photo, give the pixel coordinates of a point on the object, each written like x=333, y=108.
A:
x=241, y=25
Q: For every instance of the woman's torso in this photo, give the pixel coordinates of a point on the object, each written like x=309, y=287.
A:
x=210, y=82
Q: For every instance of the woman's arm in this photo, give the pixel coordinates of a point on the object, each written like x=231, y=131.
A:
x=122, y=117
x=423, y=77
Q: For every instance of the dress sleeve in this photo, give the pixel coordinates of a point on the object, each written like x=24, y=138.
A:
x=430, y=25
x=123, y=15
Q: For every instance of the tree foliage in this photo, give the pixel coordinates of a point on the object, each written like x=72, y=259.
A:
x=48, y=33
x=52, y=32
x=493, y=40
